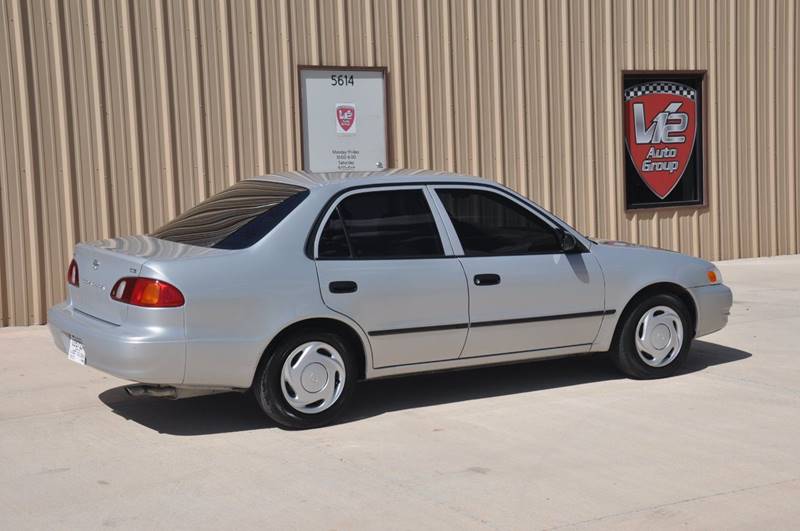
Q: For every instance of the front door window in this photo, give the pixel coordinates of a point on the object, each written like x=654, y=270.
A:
x=489, y=224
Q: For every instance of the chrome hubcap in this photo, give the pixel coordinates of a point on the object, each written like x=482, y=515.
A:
x=313, y=377
x=659, y=336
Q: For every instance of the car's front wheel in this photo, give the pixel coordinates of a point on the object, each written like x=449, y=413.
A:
x=654, y=338
x=307, y=379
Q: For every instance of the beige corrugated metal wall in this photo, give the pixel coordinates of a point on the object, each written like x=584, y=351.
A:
x=117, y=115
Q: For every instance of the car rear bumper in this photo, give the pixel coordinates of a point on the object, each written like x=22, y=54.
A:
x=713, y=307
x=146, y=354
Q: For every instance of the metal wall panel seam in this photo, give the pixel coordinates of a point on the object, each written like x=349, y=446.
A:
x=80, y=122
x=589, y=195
x=793, y=123
x=771, y=135
x=198, y=95
x=751, y=113
x=474, y=152
x=713, y=145
x=423, y=93
x=316, y=46
x=612, y=155
x=342, y=33
x=7, y=279
x=674, y=230
x=54, y=171
x=64, y=141
x=370, y=28
x=569, y=207
x=629, y=64
x=544, y=98
x=134, y=112
x=732, y=86
x=695, y=241
x=650, y=39
x=210, y=89
x=256, y=57
x=497, y=96
x=228, y=92
x=398, y=125
x=106, y=32
x=449, y=90
x=289, y=89
x=165, y=66
x=100, y=155
x=522, y=110
x=34, y=269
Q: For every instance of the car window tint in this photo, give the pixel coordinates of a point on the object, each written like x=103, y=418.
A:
x=490, y=224
x=383, y=224
x=235, y=218
x=333, y=241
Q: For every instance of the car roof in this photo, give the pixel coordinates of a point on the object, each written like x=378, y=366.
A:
x=344, y=180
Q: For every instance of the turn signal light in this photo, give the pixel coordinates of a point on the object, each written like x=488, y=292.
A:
x=72, y=274
x=712, y=276
x=147, y=292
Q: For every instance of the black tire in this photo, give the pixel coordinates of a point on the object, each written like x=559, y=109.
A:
x=267, y=384
x=624, y=352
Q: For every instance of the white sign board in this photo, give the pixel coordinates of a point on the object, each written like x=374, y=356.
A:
x=343, y=115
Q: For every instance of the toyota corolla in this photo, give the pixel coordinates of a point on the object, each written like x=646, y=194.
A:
x=297, y=285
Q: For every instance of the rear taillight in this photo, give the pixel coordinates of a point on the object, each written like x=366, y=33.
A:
x=72, y=274
x=147, y=292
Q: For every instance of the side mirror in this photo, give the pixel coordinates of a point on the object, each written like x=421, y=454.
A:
x=568, y=242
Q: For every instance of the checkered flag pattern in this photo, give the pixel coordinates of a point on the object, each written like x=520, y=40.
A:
x=660, y=87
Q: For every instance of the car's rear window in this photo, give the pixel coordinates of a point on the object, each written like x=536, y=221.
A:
x=235, y=218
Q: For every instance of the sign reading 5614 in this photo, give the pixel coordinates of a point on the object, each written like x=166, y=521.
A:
x=342, y=80
x=343, y=117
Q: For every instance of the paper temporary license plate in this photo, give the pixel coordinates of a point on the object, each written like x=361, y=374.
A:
x=76, y=351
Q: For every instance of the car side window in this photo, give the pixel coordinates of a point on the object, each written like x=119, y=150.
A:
x=333, y=242
x=488, y=224
x=381, y=224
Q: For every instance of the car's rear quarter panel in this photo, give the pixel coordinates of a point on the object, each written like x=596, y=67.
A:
x=237, y=302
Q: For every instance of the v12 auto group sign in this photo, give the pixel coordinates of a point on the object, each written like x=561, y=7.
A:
x=661, y=137
x=343, y=114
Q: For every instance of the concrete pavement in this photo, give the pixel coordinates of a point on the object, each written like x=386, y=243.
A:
x=557, y=444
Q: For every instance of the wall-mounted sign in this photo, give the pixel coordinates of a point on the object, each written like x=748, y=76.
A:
x=663, y=140
x=343, y=118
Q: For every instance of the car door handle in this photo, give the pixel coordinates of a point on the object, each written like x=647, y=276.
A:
x=486, y=279
x=343, y=286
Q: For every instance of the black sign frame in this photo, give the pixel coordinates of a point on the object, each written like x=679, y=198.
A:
x=689, y=192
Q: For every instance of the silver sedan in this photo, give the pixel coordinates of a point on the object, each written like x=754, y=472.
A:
x=297, y=285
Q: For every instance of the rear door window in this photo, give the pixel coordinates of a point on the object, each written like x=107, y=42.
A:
x=333, y=242
x=235, y=218
x=381, y=224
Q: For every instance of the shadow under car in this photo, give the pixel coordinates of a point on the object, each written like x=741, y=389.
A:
x=231, y=412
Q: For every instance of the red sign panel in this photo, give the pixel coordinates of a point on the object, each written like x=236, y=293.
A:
x=660, y=130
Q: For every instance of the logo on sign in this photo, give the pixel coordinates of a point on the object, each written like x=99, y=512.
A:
x=345, y=118
x=660, y=126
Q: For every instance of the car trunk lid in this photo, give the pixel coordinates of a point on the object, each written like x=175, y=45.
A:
x=101, y=264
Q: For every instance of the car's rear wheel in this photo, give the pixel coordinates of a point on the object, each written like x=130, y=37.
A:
x=654, y=338
x=307, y=379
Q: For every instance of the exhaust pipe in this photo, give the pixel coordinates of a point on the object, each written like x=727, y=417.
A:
x=160, y=391
x=174, y=393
